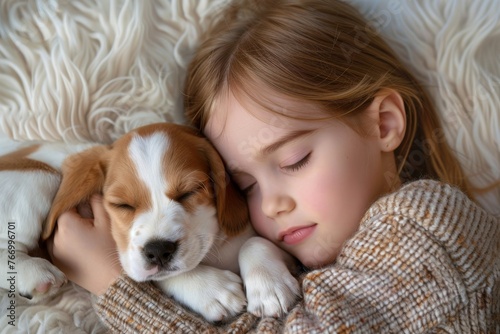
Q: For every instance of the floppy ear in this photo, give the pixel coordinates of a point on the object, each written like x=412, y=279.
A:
x=232, y=210
x=83, y=174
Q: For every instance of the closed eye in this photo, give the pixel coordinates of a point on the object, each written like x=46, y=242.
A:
x=123, y=206
x=184, y=196
x=244, y=181
x=248, y=189
x=187, y=194
x=299, y=164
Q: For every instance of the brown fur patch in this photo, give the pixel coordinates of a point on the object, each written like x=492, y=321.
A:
x=19, y=161
x=125, y=195
x=83, y=175
x=200, y=164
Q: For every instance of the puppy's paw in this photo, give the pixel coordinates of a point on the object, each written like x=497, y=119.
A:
x=271, y=292
x=213, y=293
x=39, y=279
x=222, y=297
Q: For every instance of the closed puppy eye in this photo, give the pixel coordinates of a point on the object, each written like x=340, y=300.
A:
x=184, y=196
x=123, y=206
x=188, y=194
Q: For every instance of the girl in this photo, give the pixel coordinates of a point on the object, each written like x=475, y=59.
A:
x=322, y=128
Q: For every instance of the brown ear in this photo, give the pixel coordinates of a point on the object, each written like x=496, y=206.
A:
x=232, y=210
x=83, y=174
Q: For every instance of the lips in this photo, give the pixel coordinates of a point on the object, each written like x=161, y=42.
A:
x=297, y=234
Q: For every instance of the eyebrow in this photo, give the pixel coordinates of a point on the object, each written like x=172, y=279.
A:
x=294, y=135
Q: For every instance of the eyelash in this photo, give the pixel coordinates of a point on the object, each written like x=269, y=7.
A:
x=247, y=189
x=291, y=168
x=299, y=164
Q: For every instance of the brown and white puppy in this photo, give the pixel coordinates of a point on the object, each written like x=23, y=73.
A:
x=29, y=179
x=178, y=221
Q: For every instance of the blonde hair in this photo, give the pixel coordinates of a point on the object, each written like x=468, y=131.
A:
x=322, y=52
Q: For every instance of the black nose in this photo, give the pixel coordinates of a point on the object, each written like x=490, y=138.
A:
x=159, y=252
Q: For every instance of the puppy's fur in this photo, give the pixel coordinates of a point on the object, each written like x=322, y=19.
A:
x=176, y=219
x=29, y=179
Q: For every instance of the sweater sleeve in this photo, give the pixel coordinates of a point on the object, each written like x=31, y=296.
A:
x=423, y=259
x=391, y=286
x=131, y=307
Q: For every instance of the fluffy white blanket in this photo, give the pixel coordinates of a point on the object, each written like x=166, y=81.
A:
x=91, y=70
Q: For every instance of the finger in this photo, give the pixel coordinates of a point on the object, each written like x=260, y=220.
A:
x=70, y=217
x=54, y=250
x=100, y=214
x=71, y=226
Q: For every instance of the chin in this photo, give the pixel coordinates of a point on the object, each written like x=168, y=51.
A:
x=319, y=260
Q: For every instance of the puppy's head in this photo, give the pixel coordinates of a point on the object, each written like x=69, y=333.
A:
x=167, y=195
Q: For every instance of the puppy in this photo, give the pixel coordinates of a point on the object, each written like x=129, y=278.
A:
x=178, y=221
x=29, y=179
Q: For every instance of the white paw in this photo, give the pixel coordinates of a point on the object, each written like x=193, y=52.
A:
x=271, y=292
x=38, y=279
x=222, y=297
x=213, y=293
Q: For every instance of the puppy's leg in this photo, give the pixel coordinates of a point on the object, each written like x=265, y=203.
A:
x=270, y=287
x=26, y=199
x=214, y=293
x=30, y=277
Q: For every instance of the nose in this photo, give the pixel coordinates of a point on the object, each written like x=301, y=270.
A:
x=159, y=252
x=276, y=203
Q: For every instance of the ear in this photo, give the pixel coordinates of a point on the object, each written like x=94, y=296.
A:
x=389, y=110
x=83, y=174
x=232, y=210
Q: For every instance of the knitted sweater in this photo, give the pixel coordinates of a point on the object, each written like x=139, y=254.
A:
x=425, y=259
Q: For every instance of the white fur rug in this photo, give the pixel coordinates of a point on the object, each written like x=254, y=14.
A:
x=91, y=70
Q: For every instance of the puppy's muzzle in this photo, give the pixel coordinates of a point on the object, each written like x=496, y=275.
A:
x=159, y=252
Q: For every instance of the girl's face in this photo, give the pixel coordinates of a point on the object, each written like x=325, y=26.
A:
x=308, y=183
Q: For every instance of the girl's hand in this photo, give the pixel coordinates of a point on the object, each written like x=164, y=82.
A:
x=83, y=248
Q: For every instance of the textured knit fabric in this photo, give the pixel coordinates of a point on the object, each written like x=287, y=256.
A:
x=425, y=259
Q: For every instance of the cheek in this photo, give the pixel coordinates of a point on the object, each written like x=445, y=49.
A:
x=337, y=195
x=320, y=190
